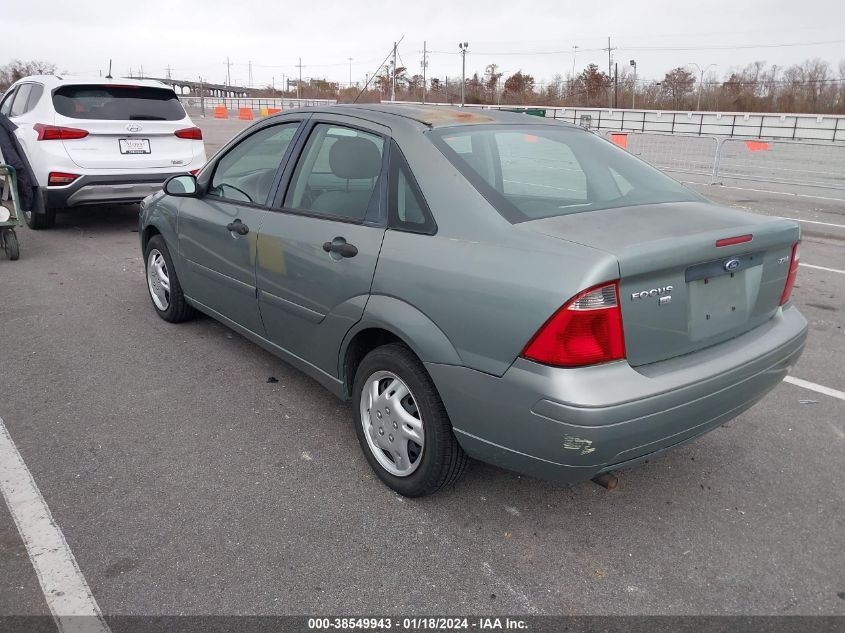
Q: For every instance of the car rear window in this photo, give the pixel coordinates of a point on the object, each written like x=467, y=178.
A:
x=118, y=103
x=529, y=171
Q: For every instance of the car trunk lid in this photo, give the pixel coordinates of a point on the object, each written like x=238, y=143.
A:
x=679, y=291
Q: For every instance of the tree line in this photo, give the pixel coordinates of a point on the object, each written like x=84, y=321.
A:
x=813, y=86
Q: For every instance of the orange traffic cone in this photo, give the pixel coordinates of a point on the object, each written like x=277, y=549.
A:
x=245, y=114
x=221, y=112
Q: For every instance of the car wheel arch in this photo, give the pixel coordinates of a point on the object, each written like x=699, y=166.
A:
x=390, y=320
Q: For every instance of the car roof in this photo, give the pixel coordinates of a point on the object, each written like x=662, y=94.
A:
x=435, y=116
x=54, y=81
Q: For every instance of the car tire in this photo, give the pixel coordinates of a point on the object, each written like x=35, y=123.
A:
x=163, y=284
x=389, y=439
x=37, y=221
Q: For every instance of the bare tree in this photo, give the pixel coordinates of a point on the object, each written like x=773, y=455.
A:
x=17, y=69
x=677, y=84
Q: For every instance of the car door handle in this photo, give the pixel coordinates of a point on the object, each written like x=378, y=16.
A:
x=339, y=246
x=237, y=227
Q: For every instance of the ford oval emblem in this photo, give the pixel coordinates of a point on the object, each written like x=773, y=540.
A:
x=133, y=127
x=731, y=265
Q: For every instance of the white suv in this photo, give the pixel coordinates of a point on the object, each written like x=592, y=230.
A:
x=92, y=141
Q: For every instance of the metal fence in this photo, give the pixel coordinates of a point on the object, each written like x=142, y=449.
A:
x=808, y=127
x=785, y=162
x=745, y=125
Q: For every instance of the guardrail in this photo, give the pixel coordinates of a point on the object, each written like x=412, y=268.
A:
x=785, y=162
x=234, y=104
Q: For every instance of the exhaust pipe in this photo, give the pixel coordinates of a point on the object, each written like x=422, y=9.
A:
x=608, y=480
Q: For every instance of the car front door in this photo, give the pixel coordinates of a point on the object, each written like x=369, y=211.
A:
x=317, y=253
x=218, y=231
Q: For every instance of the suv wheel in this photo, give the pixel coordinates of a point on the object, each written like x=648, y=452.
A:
x=37, y=221
x=402, y=425
x=162, y=283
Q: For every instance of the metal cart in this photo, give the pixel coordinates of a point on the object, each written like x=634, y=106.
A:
x=10, y=214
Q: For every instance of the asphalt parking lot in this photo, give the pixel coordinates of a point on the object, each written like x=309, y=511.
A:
x=186, y=483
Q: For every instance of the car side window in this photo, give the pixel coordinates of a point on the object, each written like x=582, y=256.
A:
x=34, y=96
x=337, y=172
x=6, y=105
x=19, y=104
x=246, y=173
x=407, y=209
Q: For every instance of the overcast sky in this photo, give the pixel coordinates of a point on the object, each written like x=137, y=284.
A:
x=194, y=37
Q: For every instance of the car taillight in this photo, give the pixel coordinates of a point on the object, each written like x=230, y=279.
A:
x=585, y=331
x=192, y=133
x=57, y=133
x=793, y=271
x=59, y=178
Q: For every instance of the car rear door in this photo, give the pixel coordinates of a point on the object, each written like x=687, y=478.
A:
x=317, y=252
x=218, y=231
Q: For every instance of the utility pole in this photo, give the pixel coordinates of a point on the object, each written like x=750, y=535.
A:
x=393, y=83
x=202, y=98
x=609, y=73
x=250, y=73
x=463, y=46
x=424, y=67
x=350, y=72
x=228, y=72
x=616, y=86
x=142, y=71
x=634, y=89
x=574, y=55
x=299, y=83
x=701, y=81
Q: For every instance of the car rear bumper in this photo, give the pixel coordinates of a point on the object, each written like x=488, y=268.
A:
x=571, y=424
x=122, y=188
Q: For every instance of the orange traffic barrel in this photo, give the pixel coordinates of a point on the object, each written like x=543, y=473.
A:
x=220, y=112
x=245, y=114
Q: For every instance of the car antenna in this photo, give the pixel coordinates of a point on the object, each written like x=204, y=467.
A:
x=109, y=75
x=377, y=69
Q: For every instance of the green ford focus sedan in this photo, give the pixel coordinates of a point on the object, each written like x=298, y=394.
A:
x=481, y=284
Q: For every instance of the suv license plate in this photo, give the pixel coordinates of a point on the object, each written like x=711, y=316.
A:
x=134, y=145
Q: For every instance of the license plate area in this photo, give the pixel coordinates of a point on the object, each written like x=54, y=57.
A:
x=722, y=303
x=134, y=145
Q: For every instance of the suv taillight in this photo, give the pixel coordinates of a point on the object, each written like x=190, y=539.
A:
x=192, y=133
x=56, y=133
x=585, y=331
x=60, y=178
x=793, y=271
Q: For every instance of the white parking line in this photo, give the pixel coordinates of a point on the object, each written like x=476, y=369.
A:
x=839, y=226
x=830, y=270
x=798, y=382
x=65, y=589
x=779, y=193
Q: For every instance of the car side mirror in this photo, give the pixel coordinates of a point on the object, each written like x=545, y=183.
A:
x=184, y=186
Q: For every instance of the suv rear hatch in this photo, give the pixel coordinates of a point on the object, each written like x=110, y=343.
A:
x=129, y=127
x=679, y=291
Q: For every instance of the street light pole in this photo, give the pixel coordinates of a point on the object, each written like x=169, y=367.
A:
x=463, y=46
x=350, y=72
x=701, y=81
x=634, y=89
